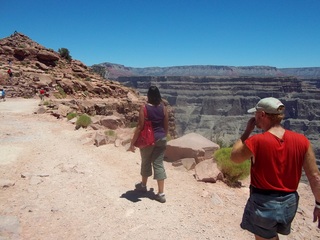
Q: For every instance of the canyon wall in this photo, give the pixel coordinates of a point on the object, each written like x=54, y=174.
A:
x=216, y=107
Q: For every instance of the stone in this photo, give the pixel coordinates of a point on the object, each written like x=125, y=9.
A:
x=208, y=171
x=191, y=145
x=64, y=110
x=100, y=139
x=188, y=163
x=111, y=122
x=41, y=110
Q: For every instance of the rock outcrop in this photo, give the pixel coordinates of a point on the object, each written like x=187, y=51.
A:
x=191, y=145
x=67, y=82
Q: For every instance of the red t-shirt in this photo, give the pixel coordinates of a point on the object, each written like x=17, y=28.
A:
x=277, y=162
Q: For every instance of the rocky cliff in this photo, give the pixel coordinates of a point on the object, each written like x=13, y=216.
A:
x=65, y=80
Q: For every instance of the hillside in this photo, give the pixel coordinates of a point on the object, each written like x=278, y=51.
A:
x=35, y=66
x=66, y=81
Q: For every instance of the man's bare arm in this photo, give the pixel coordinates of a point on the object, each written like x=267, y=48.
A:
x=311, y=169
x=240, y=152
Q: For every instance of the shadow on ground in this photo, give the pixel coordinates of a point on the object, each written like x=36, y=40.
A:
x=135, y=196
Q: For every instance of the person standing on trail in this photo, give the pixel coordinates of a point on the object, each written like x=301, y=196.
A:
x=3, y=94
x=42, y=92
x=152, y=156
x=10, y=73
x=277, y=159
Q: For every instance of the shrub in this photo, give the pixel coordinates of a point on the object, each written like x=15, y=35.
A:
x=46, y=103
x=83, y=121
x=71, y=115
x=133, y=124
x=233, y=172
x=64, y=53
x=110, y=133
x=61, y=93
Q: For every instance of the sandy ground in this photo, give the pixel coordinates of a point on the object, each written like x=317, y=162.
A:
x=56, y=185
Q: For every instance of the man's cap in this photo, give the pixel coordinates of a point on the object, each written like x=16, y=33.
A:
x=268, y=105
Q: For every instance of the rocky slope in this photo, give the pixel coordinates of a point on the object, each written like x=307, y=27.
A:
x=66, y=81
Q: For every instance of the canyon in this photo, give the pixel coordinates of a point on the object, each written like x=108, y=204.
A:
x=216, y=106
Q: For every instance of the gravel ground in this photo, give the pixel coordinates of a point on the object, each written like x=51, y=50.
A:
x=56, y=185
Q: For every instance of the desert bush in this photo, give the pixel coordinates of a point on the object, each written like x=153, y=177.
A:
x=169, y=137
x=46, y=103
x=64, y=53
x=83, y=121
x=61, y=93
x=110, y=133
x=133, y=124
x=71, y=115
x=233, y=172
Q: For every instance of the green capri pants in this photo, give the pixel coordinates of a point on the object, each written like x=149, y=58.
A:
x=153, y=157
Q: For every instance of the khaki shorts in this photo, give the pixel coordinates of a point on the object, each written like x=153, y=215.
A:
x=152, y=157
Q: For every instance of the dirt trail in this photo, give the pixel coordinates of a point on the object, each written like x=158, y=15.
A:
x=55, y=185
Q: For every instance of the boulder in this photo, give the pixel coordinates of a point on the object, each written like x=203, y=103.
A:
x=207, y=171
x=111, y=122
x=100, y=139
x=41, y=110
x=64, y=110
x=191, y=145
x=21, y=53
x=42, y=66
x=188, y=163
x=45, y=55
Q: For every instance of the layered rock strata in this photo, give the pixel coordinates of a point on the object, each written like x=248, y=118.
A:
x=216, y=107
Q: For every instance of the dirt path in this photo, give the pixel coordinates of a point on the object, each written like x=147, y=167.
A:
x=55, y=185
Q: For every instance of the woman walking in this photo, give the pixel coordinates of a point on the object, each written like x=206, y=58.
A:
x=152, y=156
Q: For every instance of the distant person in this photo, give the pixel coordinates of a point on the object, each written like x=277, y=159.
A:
x=152, y=156
x=2, y=94
x=277, y=158
x=10, y=73
x=42, y=92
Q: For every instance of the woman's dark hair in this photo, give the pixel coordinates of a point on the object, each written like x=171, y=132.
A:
x=154, y=96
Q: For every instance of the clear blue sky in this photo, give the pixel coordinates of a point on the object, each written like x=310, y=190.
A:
x=150, y=33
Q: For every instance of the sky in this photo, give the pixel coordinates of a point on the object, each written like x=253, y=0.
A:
x=163, y=33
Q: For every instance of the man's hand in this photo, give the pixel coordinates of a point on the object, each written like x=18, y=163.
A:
x=316, y=216
x=251, y=124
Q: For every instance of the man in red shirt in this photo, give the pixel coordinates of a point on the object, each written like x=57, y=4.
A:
x=41, y=93
x=277, y=158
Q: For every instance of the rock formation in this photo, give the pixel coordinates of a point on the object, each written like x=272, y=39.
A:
x=67, y=82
